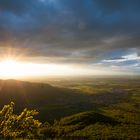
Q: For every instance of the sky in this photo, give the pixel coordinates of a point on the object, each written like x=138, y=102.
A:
x=90, y=36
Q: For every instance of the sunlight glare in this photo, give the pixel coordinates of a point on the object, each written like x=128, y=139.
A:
x=12, y=68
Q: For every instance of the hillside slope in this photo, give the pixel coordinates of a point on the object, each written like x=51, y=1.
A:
x=52, y=102
x=93, y=125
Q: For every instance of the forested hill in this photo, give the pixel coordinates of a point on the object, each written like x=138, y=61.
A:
x=36, y=95
x=50, y=101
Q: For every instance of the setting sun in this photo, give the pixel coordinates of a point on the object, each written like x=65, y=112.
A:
x=11, y=68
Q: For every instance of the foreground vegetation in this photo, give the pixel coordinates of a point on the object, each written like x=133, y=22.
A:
x=113, y=123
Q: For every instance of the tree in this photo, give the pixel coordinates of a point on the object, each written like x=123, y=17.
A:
x=23, y=125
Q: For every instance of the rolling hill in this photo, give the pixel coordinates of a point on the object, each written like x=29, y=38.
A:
x=52, y=102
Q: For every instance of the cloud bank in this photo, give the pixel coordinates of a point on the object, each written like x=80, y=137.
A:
x=79, y=32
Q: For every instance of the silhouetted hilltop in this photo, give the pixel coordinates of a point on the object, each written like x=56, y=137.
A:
x=50, y=101
x=43, y=97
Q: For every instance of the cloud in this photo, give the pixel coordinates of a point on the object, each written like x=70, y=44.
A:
x=71, y=31
x=129, y=57
x=17, y=7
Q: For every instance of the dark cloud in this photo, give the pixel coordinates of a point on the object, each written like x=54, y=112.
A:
x=71, y=31
x=16, y=6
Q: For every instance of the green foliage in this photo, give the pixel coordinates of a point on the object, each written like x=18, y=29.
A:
x=98, y=126
x=23, y=125
x=112, y=123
